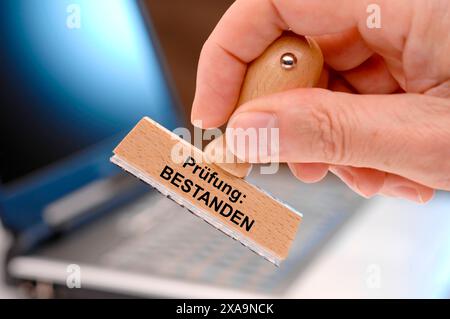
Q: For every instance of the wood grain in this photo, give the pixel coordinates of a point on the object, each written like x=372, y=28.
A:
x=148, y=148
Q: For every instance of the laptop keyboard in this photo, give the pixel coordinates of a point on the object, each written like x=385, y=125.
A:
x=158, y=237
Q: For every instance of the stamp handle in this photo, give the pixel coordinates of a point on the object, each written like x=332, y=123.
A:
x=291, y=62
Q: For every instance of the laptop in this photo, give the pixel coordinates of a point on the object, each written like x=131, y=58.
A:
x=76, y=76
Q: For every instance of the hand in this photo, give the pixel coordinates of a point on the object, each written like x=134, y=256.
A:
x=380, y=122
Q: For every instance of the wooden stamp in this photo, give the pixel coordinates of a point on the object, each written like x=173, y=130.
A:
x=185, y=174
x=227, y=202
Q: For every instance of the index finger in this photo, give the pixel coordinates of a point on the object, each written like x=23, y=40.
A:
x=244, y=32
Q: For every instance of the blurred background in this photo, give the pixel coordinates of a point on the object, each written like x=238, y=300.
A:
x=75, y=77
x=182, y=28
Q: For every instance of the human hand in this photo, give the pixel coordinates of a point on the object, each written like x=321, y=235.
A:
x=383, y=123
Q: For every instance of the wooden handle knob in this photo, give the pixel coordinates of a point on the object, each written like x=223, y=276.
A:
x=292, y=61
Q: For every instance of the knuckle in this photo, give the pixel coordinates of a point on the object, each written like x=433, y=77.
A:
x=443, y=157
x=332, y=134
x=435, y=146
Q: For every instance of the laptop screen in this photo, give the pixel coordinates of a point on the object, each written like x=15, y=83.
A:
x=73, y=74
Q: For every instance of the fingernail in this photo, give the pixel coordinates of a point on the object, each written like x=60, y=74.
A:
x=408, y=193
x=253, y=136
x=256, y=120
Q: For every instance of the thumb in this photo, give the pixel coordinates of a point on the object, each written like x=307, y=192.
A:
x=404, y=134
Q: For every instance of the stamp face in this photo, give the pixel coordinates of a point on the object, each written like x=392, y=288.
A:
x=207, y=198
x=231, y=204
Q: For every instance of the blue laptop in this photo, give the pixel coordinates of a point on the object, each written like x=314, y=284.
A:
x=75, y=77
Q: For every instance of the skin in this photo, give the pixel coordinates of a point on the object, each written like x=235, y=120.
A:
x=381, y=119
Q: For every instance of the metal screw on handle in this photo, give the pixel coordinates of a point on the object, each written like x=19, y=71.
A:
x=291, y=62
x=288, y=61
